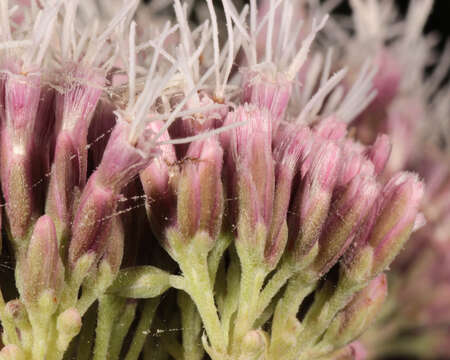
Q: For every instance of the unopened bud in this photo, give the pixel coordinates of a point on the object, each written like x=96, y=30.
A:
x=262, y=90
x=254, y=345
x=62, y=183
x=387, y=226
x=359, y=314
x=75, y=103
x=254, y=166
x=92, y=224
x=200, y=193
x=114, y=246
x=398, y=211
x=312, y=201
x=289, y=156
x=68, y=325
x=159, y=181
x=42, y=269
x=379, y=153
x=122, y=161
x=348, y=212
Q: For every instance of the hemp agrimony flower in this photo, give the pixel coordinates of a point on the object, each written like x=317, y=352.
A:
x=198, y=182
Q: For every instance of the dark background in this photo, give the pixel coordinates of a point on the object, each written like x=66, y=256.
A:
x=438, y=21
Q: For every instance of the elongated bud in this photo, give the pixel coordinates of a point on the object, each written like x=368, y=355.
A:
x=254, y=166
x=15, y=309
x=200, y=190
x=22, y=94
x=348, y=213
x=75, y=102
x=68, y=325
x=269, y=91
x=289, y=156
x=160, y=181
x=42, y=270
x=114, y=246
x=62, y=183
x=402, y=197
x=359, y=314
x=387, y=227
x=312, y=201
x=121, y=162
x=379, y=153
x=92, y=224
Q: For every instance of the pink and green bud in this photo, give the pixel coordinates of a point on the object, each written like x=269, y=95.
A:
x=289, y=157
x=387, y=227
x=121, y=162
x=349, y=210
x=200, y=190
x=65, y=175
x=114, y=246
x=268, y=91
x=379, y=153
x=253, y=166
x=16, y=176
x=21, y=102
x=41, y=270
x=22, y=95
x=313, y=198
x=160, y=181
x=402, y=197
x=359, y=314
x=75, y=102
x=16, y=310
x=92, y=223
x=68, y=325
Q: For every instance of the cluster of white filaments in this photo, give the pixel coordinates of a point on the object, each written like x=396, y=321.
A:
x=182, y=62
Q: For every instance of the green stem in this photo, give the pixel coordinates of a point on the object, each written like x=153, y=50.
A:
x=142, y=329
x=40, y=328
x=316, y=322
x=252, y=279
x=222, y=243
x=286, y=310
x=120, y=330
x=276, y=282
x=88, y=297
x=198, y=286
x=191, y=324
x=108, y=307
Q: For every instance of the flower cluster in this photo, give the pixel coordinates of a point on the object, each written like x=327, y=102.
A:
x=412, y=107
x=267, y=227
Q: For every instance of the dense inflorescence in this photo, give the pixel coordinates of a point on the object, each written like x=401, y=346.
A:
x=180, y=191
